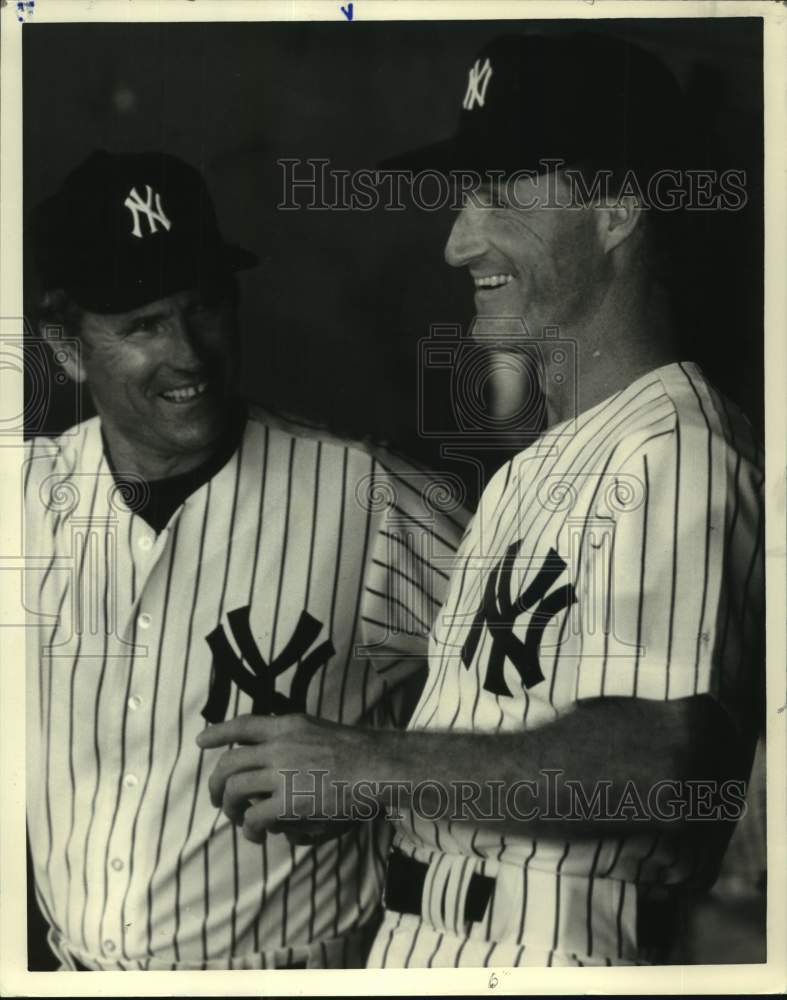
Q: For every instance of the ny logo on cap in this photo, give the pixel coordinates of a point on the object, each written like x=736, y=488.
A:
x=477, y=82
x=137, y=206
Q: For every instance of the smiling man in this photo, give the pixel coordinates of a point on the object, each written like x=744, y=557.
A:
x=580, y=748
x=192, y=560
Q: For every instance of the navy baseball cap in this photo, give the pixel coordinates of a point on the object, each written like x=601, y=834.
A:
x=574, y=97
x=128, y=229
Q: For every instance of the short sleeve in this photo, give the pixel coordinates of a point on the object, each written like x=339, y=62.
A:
x=676, y=576
x=419, y=522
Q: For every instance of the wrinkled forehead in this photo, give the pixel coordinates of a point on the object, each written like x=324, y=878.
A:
x=524, y=190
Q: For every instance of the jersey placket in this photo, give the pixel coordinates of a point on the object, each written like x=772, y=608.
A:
x=141, y=629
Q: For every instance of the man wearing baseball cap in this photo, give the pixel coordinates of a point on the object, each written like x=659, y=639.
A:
x=196, y=559
x=583, y=739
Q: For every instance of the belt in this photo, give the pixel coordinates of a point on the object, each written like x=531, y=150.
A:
x=404, y=887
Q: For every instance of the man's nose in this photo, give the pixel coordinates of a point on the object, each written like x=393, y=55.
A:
x=466, y=239
x=185, y=349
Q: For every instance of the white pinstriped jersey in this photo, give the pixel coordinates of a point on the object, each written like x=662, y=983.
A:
x=621, y=555
x=302, y=576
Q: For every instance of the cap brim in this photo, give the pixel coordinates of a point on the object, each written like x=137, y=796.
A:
x=460, y=154
x=440, y=156
x=122, y=287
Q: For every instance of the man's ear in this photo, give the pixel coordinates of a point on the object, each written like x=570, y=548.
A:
x=67, y=352
x=617, y=221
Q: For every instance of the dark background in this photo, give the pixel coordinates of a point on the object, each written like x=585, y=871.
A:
x=333, y=316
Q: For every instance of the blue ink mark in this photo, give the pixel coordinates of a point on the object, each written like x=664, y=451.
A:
x=347, y=11
x=23, y=8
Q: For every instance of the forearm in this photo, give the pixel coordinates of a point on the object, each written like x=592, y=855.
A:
x=607, y=767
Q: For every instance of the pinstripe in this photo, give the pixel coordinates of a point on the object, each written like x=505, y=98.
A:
x=46, y=653
x=576, y=571
x=674, y=584
x=597, y=442
x=412, y=552
x=456, y=921
x=274, y=628
x=168, y=787
x=309, y=567
x=334, y=592
x=285, y=538
x=440, y=673
x=461, y=948
x=255, y=566
x=432, y=957
x=643, y=560
x=313, y=535
x=608, y=624
x=412, y=946
x=523, y=914
x=233, y=836
x=732, y=520
x=402, y=481
x=399, y=604
x=118, y=790
x=201, y=895
x=589, y=909
x=79, y=617
x=339, y=844
x=47, y=571
x=391, y=933
x=151, y=746
x=708, y=505
x=656, y=840
x=556, y=933
x=220, y=612
x=758, y=542
x=502, y=519
x=409, y=579
x=419, y=524
x=97, y=752
x=577, y=568
x=618, y=850
x=619, y=918
x=656, y=422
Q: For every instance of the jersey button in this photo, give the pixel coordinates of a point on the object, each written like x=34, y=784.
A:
x=144, y=620
x=117, y=864
x=134, y=702
x=130, y=780
x=109, y=946
x=145, y=543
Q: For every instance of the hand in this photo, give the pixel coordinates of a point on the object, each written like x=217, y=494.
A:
x=288, y=773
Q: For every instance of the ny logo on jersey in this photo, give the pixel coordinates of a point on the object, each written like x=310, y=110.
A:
x=499, y=613
x=477, y=81
x=137, y=207
x=261, y=684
